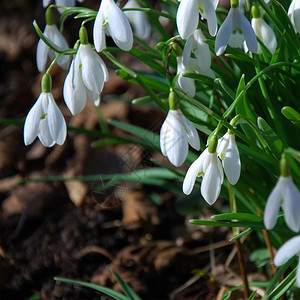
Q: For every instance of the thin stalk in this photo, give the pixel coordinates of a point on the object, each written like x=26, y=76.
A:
x=242, y=268
x=238, y=246
x=269, y=246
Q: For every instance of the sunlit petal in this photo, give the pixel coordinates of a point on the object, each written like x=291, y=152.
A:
x=119, y=26
x=191, y=175
x=273, y=205
x=249, y=34
x=187, y=17
x=287, y=251
x=212, y=180
x=56, y=122
x=32, y=121
x=291, y=204
x=224, y=34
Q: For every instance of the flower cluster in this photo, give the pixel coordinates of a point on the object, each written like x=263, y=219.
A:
x=87, y=73
x=209, y=166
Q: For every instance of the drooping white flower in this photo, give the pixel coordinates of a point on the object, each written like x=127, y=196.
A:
x=112, y=20
x=67, y=3
x=234, y=31
x=294, y=14
x=209, y=166
x=52, y=33
x=263, y=31
x=86, y=76
x=229, y=154
x=187, y=17
x=185, y=83
x=176, y=133
x=187, y=64
x=287, y=251
x=138, y=19
x=46, y=122
x=196, y=45
x=286, y=195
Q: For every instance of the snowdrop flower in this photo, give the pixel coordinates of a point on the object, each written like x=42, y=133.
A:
x=185, y=83
x=234, y=31
x=190, y=66
x=187, y=17
x=287, y=251
x=286, y=195
x=52, y=33
x=176, y=133
x=86, y=76
x=110, y=18
x=294, y=14
x=68, y=3
x=229, y=154
x=138, y=19
x=263, y=31
x=187, y=64
x=45, y=120
x=195, y=44
x=209, y=166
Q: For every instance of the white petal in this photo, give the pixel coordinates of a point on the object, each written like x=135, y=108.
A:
x=273, y=205
x=42, y=54
x=45, y=135
x=187, y=85
x=99, y=31
x=202, y=51
x=74, y=90
x=94, y=97
x=210, y=15
x=138, y=19
x=56, y=122
x=92, y=72
x=287, y=251
x=236, y=40
x=32, y=121
x=187, y=50
x=265, y=33
x=46, y=2
x=291, y=204
x=187, y=17
x=222, y=146
x=249, y=34
x=191, y=175
x=192, y=134
x=212, y=181
x=60, y=41
x=119, y=26
x=224, y=34
x=294, y=14
x=175, y=141
x=231, y=162
x=68, y=3
x=103, y=66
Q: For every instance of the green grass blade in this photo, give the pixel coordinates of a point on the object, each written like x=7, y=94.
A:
x=102, y=289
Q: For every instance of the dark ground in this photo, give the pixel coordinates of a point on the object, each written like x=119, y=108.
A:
x=70, y=230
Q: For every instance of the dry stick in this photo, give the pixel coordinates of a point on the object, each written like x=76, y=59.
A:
x=269, y=246
x=242, y=267
x=238, y=244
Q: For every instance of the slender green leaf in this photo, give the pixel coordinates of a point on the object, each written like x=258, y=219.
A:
x=102, y=289
x=125, y=287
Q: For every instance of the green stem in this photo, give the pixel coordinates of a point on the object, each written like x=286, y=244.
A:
x=236, y=231
x=137, y=78
x=53, y=62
